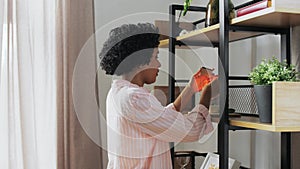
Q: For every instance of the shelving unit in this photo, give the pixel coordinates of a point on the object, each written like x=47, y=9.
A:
x=257, y=23
x=276, y=19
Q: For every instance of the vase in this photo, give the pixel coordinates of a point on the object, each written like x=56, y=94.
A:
x=263, y=95
x=212, y=12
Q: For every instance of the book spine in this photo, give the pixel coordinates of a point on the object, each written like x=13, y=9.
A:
x=252, y=8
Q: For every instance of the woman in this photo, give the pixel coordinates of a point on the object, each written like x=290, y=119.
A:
x=139, y=127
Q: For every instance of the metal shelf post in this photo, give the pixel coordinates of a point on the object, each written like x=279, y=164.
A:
x=223, y=127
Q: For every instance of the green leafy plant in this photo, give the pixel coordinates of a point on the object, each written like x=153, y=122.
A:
x=186, y=5
x=272, y=70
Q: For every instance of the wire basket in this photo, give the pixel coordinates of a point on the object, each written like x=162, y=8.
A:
x=242, y=99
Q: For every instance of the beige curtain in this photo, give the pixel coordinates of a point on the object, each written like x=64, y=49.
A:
x=296, y=61
x=27, y=85
x=75, y=26
x=296, y=46
x=1, y=26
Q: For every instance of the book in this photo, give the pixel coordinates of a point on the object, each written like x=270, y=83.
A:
x=253, y=8
x=211, y=161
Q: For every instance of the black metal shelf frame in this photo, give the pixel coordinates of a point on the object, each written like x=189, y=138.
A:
x=172, y=43
x=223, y=134
x=223, y=50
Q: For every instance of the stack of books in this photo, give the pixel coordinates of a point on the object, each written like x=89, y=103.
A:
x=253, y=8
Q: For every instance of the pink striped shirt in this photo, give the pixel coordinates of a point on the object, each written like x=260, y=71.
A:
x=140, y=128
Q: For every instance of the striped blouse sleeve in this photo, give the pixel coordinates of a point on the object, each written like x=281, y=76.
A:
x=165, y=123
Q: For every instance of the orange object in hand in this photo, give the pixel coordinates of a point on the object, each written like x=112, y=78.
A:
x=202, y=79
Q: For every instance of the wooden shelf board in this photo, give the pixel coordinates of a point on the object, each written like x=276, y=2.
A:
x=253, y=123
x=209, y=37
x=250, y=122
x=270, y=18
x=164, y=43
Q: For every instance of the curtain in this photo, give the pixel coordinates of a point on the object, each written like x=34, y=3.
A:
x=295, y=136
x=2, y=12
x=295, y=46
x=78, y=129
x=40, y=42
x=27, y=84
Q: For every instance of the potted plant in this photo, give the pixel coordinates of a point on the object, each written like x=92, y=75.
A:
x=262, y=77
x=212, y=11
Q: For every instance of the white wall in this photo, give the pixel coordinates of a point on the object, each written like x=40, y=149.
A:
x=266, y=144
x=246, y=146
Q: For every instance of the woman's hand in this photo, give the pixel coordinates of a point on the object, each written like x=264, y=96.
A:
x=209, y=91
x=193, y=87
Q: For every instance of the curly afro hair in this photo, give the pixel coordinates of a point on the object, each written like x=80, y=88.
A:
x=128, y=47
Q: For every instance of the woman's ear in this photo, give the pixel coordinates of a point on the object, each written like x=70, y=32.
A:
x=142, y=67
x=137, y=69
